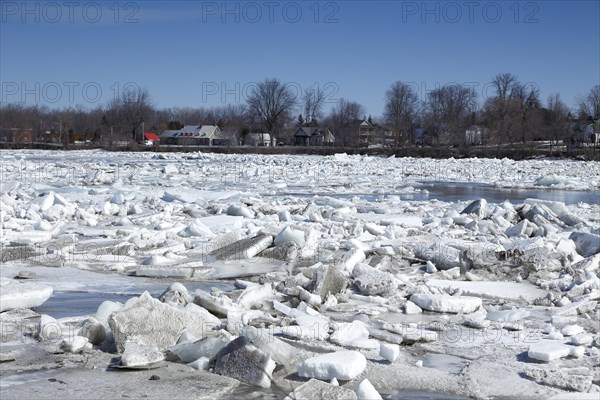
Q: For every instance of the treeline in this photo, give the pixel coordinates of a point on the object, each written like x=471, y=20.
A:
x=514, y=113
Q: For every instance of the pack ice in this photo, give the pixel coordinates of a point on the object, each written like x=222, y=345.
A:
x=343, y=276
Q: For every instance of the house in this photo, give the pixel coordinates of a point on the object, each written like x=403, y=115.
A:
x=359, y=132
x=191, y=135
x=423, y=137
x=152, y=137
x=169, y=136
x=14, y=135
x=228, y=138
x=199, y=135
x=313, y=136
x=589, y=133
x=474, y=135
x=258, y=139
x=383, y=136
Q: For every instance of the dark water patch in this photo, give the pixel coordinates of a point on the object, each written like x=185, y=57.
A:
x=467, y=191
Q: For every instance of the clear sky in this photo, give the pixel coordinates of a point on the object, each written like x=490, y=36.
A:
x=192, y=53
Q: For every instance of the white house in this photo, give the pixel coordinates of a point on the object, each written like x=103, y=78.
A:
x=258, y=139
x=589, y=134
x=225, y=138
x=474, y=135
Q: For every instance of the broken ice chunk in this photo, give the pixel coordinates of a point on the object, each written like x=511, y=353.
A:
x=202, y=363
x=572, y=330
x=23, y=295
x=281, y=352
x=290, y=235
x=75, y=344
x=376, y=282
x=548, y=351
x=342, y=365
x=477, y=207
x=443, y=256
x=316, y=389
x=217, y=305
x=93, y=330
x=366, y=391
x=207, y=347
x=447, y=304
x=354, y=334
x=254, y=296
x=587, y=244
x=243, y=249
x=136, y=355
x=148, y=321
x=389, y=351
x=245, y=362
x=49, y=329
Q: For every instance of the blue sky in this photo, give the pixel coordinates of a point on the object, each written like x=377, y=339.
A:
x=208, y=53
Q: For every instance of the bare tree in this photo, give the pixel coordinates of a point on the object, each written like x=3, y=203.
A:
x=401, y=105
x=313, y=100
x=271, y=102
x=449, y=110
x=344, y=112
x=524, y=112
x=589, y=105
x=556, y=120
x=504, y=84
x=129, y=110
x=514, y=113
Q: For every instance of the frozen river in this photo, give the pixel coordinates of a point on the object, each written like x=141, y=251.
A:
x=480, y=270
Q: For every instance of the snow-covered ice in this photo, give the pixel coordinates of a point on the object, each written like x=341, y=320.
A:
x=342, y=365
x=23, y=295
x=299, y=267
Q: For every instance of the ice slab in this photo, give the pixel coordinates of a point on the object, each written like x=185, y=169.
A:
x=342, y=365
x=492, y=290
x=366, y=391
x=23, y=295
x=548, y=351
x=243, y=249
x=447, y=304
x=389, y=351
x=316, y=389
x=136, y=355
x=243, y=361
x=354, y=334
x=148, y=321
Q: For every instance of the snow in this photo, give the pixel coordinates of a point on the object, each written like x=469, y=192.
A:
x=342, y=365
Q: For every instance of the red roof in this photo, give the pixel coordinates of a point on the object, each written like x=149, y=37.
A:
x=151, y=136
